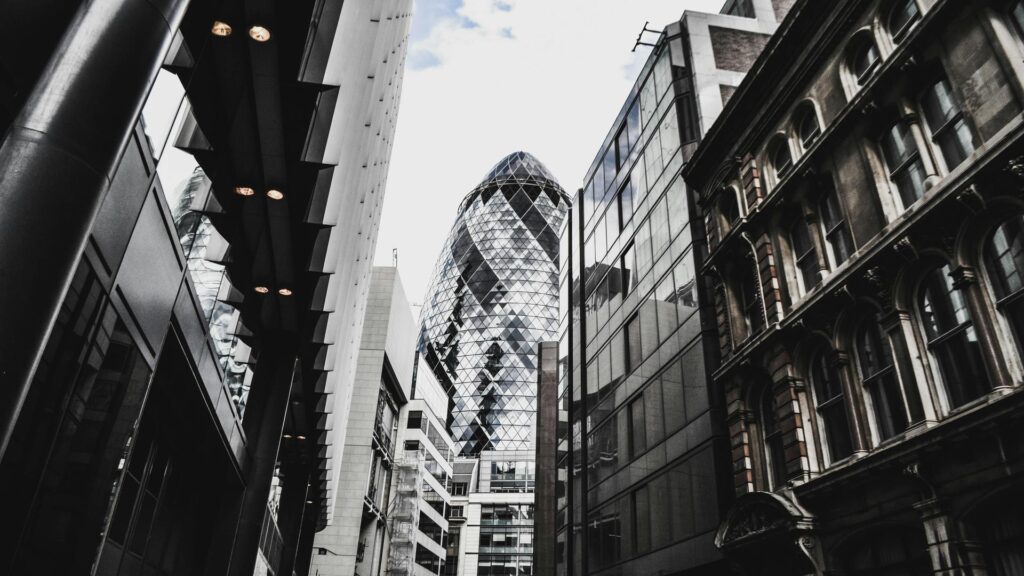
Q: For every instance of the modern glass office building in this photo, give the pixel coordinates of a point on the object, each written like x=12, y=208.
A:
x=493, y=298
x=642, y=458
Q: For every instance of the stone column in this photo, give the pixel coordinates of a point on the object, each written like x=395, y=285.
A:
x=264, y=424
x=56, y=164
x=909, y=116
x=940, y=535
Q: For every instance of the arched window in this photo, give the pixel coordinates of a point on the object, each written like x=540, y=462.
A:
x=807, y=126
x=1005, y=255
x=902, y=18
x=775, y=454
x=903, y=160
x=831, y=406
x=782, y=160
x=804, y=255
x=879, y=379
x=834, y=227
x=750, y=298
x=952, y=340
x=863, y=59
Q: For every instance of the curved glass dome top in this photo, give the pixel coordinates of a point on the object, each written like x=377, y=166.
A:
x=493, y=297
x=520, y=168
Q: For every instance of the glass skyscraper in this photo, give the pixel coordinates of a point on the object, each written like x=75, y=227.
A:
x=493, y=298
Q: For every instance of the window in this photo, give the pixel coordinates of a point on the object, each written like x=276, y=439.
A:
x=830, y=402
x=459, y=488
x=634, y=353
x=729, y=206
x=833, y=222
x=628, y=265
x=946, y=122
x=774, y=451
x=637, y=428
x=750, y=299
x=902, y=18
x=626, y=203
x=1005, y=256
x=952, y=341
x=609, y=168
x=782, y=161
x=807, y=126
x=415, y=421
x=863, y=59
x=412, y=445
x=878, y=377
x=903, y=159
x=804, y=255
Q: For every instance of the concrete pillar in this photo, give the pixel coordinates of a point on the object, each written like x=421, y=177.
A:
x=56, y=165
x=291, y=512
x=264, y=424
x=859, y=433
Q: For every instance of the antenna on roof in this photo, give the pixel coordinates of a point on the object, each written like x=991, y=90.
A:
x=640, y=37
x=394, y=257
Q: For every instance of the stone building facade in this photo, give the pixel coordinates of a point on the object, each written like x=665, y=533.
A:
x=861, y=193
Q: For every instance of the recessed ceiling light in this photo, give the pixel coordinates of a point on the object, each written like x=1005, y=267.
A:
x=221, y=29
x=284, y=292
x=300, y=437
x=259, y=33
x=261, y=289
x=244, y=191
x=275, y=194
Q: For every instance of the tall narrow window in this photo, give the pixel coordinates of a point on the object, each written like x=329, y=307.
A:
x=952, y=341
x=837, y=233
x=728, y=208
x=1005, y=255
x=628, y=269
x=831, y=405
x=902, y=18
x=782, y=160
x=634, y=354
x=626, y=203
x=807, y=125
x=878, y=376
x=863, y=59
x=904, y=163
x=750, y=299
x=1017, y=15
x=946, y=122
x=804, y=255
x=775, y=453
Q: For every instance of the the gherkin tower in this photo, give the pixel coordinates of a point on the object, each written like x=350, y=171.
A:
x=493, y=298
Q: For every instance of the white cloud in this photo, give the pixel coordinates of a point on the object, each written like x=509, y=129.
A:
x=495, y=76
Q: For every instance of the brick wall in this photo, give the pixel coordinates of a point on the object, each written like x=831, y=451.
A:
x=735, y=50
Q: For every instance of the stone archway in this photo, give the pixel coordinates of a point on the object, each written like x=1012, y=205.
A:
x=765, y=533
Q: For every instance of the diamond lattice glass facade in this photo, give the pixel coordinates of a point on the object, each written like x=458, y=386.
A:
x=492, y=299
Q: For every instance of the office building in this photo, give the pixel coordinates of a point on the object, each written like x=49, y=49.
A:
x=190, y=198
x=642, y=452
x=492, y=300
x=862, y=200
x=357, y=539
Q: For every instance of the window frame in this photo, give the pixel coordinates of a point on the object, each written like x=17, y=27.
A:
x=807, y=111
x=902, y=165
x=809, y=255
x=771, y=436
x=865, y=42
x=901, y=33
x=779, y=145
x=949, y=126
x=822, y=407
x=1006, y=297
x=830, y=204
x=879, y=382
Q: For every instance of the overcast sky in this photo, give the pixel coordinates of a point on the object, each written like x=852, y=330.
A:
x=485, y=78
